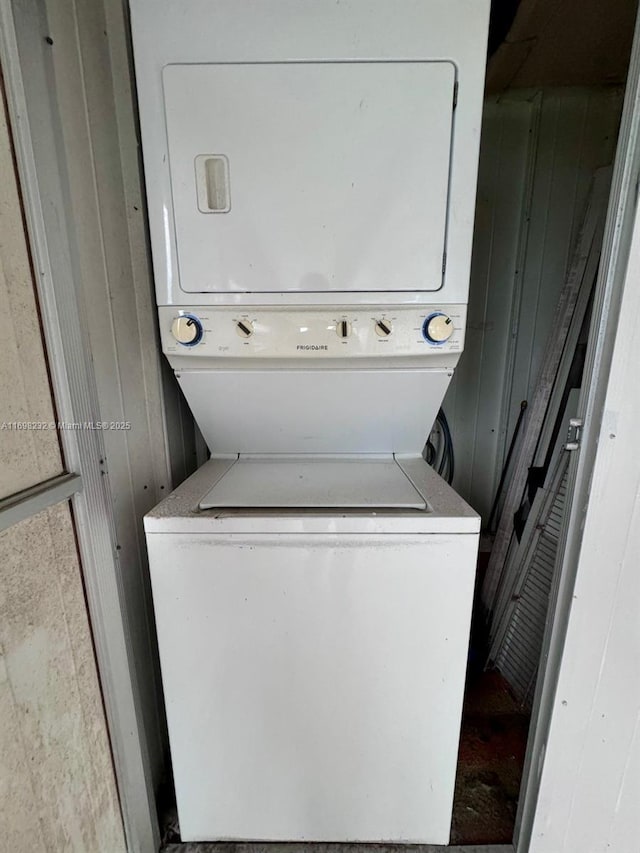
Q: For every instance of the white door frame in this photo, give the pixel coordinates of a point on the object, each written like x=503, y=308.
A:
x=36, y=137
x=595, y=510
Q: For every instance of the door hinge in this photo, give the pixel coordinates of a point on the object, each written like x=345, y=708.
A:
x=574, y=434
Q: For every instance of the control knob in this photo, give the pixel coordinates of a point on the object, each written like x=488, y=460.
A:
x=187, y=330
x=437, y=328
x=383, y=328
x=343, y=328
x=244, y=328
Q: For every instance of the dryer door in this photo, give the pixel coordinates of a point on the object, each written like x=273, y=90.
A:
x=310, y=176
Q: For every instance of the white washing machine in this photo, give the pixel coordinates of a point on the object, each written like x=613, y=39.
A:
x=311, y=170
x=313, y=627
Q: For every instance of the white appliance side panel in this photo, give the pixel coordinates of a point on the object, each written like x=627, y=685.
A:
x=315, y=411
x=313, y=685
x=320, y=176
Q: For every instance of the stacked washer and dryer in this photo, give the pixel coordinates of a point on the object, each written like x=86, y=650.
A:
x=311, y=171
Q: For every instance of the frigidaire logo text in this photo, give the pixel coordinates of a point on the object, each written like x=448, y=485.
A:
x=312, y=346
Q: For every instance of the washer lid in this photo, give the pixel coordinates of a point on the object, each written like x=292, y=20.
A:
x=315, y=483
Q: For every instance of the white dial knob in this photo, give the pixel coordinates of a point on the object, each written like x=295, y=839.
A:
x=187, y=330
x=383, y=328
x=244, y=328
x=438, y=328
x=343, y=328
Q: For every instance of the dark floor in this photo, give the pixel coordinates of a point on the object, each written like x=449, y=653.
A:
x=492, y=747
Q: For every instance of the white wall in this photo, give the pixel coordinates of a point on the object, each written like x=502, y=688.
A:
x=538, y=153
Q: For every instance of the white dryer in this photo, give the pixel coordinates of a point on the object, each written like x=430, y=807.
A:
x=310, y=169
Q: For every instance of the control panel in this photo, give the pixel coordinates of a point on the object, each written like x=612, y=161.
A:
x=363, y=331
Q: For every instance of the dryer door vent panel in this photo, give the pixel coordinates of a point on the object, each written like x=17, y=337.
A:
x=310, y=177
